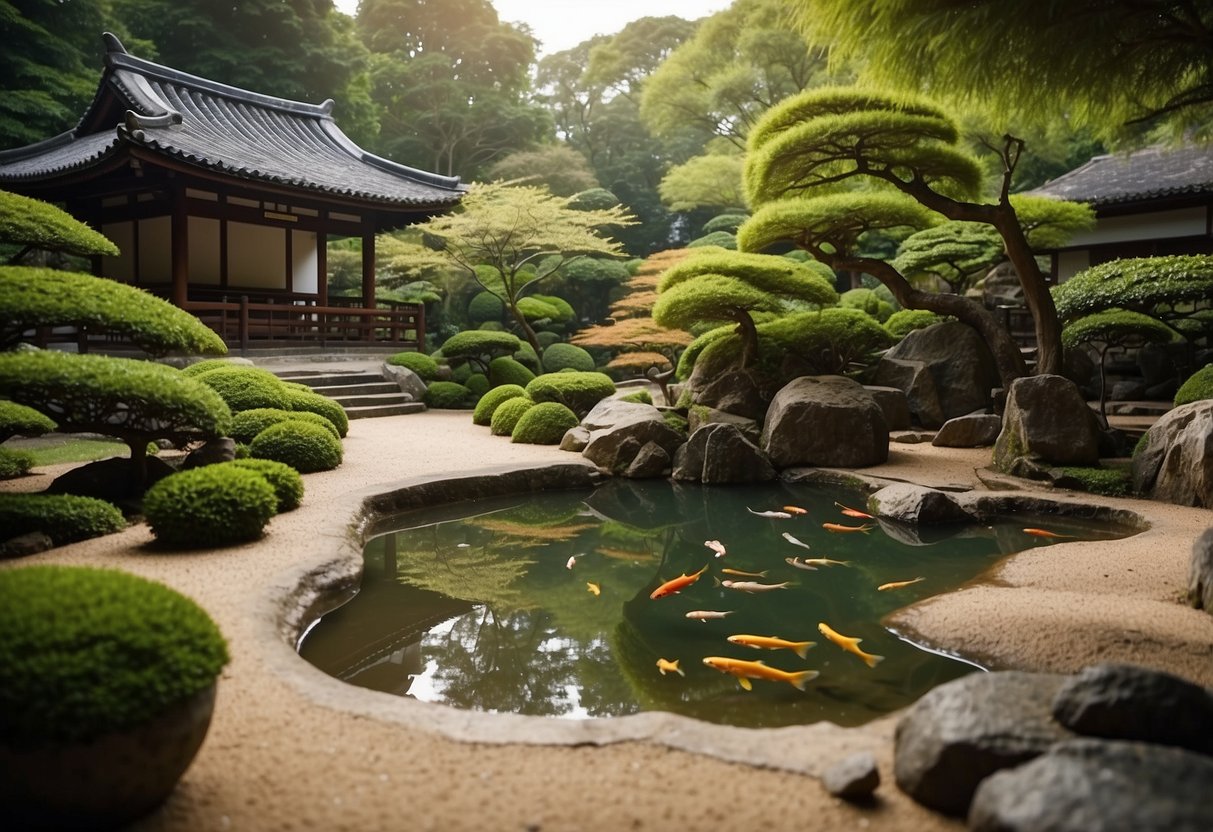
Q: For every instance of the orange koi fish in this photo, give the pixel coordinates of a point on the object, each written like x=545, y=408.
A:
x=851, y=645
x=800, y=648
x=716, y=546
x=897, y=584
x=853, y=512
x=838, y=527
x=743, y=574
x=773, y=515
x=753, y=586
x=1045, y=533
x=593, y=587
x=745, y=671
x=669, y=667
x=704, y=615
x=795, y=510
x=677, y=584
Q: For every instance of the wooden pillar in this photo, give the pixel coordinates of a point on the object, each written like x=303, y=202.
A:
x=368, y=269
x=322, y=268
x=180, y=249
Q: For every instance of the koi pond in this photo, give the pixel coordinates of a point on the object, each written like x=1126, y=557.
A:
x=542, y=603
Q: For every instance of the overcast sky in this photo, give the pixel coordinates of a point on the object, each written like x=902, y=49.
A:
x=561, y=24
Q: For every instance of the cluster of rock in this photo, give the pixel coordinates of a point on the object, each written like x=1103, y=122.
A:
x=1112, y=747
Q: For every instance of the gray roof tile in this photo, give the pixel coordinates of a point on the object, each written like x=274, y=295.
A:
x=1152, y=173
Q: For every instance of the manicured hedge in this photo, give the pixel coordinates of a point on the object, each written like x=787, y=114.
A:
x=302, y=399
x=904, y=321
x=506, y=370
x=303, y=446
x=248, y=423
x=87, y=652
x=479, y=343
x=285, y=480
x=31, y=222
x=490, y=401
x=423, y=365
x=448, y=395
x=14, y=463
x=19, y=420
x=559, y=357
x=215, y=505
x=578, y=391
x=1198, y=387
x=246, y=388
x=544, y=424
x=64, y=518
x=507, y=414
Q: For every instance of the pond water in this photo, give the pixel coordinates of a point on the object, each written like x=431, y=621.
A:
x=540, y=604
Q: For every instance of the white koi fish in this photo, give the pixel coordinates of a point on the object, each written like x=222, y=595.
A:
x=704, y=615
x=773, y=515
x=794, y=541
x=753, y=586
x=716, y=546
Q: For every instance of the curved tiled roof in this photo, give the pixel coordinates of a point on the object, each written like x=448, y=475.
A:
x=243, y=134
x=1152, y=173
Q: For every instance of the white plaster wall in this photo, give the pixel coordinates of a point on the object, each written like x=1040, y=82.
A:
x=304, y=262
x=256, y=256
x=156, y=250
x=1159, y=225
x=204, y=251
x=1070, y=263
x=122, y=267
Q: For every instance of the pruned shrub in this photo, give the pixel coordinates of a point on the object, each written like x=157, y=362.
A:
x=544, y=424
x=25, y=221
x=1198, y=387
x=215, y=505
x=246, y=388
x=485, y=306
x=308, y=401
x=507, y=414
x=904, y=321
x=478, y=384
x=506, y=370
x=546, y=338
x=208, y=364
x=718, y=239
x=64, y=518
x=559, y=357
x=868, y=301
x=248, y=423
x=285, y=480
x=19, y=420
x=578, y=391
x=490, y=401
x=448, y=395
x=304, y=447
x=423, y=365
x=724, y=222
x=88, y=652
x=479, y=345
x=14, y=463
x=527, y=357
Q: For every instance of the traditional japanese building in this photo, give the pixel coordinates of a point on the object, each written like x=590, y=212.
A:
x=222, y=200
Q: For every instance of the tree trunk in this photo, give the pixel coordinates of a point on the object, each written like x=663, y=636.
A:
x=527, y=332
x=1035, y=291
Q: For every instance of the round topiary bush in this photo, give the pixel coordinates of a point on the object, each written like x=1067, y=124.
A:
x=506, y=370
x=285, y=480
x=423, y=365
x=478, y=383
x=448, y=395
x=527, y=357
x=904, y=321
x=546, y=339
x=248, y=423
x=306, y=448
x=15, y=463
x=215, y=505
x=1198, y=387
x=576, y=390
x=244, y=388
x=507, y=414
x=208, y=364
x=567, y=356
x=490, y=401
x=492, y=326
x=544, y=424
x=107, y=676
x=485, y=306
x=479, y=345
x=20, y=420
x=64, y=518
x=307, y=401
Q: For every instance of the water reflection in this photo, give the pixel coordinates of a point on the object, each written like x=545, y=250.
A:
x=483, y=612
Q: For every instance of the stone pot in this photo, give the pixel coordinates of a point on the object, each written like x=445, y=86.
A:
x=106, y=782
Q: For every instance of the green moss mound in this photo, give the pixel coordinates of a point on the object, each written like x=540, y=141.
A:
x=285, y=480
x=904, y=321
x=90, y=651
x=578, y=391
x=1107, y=482
x=490, y=401
x=546, y=338
x=507, y=414
x=307, y=401
x=1197, y=388
x=423, y=365
x=304, y=447
x=544, y=424
x=506, y=370
x=64, y=518
x=527, y=357
x=19, y=420
x=248, y=423
x=640, y=397
x=14, y=463
x=206, y=365
x=448, y=395
x=567, y=357
x=216, y=505
x=246, y=388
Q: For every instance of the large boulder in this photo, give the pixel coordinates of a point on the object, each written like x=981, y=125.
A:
x=701, y=415
x=611, y=412
x=736, y=391
x=1047, y=422
x=409, y=382
x=956, y=735
x=914, y=380
x=893, y=404
x=1176, y=463
x=824, y=420
x=916, y=505
x=720, y=453
x=1200, y=572
x=976, y=430
x=615, y=447
x=959, y=363
x=1086, y=785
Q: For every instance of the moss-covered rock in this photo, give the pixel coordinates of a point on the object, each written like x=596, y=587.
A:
x=507, y=414
x=88, y=652
x=506, y=370
x=246, y=388
x=448, y=395
x=641, y=396
x=490, y=401
x=308, y=401
x=248, y=423
x=578, y=391
x=215, y=505
x=19, y=420
x=285, y=480
x=423, y=365
x=304, y=447
x=1198, y=387
x=64, y=518
x=904, y=321
x=544, y=424
x=559, y=357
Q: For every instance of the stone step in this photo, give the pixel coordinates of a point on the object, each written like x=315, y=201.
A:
x=372, y=400
x=338, y=390
x=314, y=379
x=371, y=411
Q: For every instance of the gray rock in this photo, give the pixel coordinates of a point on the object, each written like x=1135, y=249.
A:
x=611, y=412
x=409, y=382
x=1176, y=463
x=1127, y=390
x=915, y=381
x=615, y=448
x=1001, y=287
x=734, y=392
x=1047, y=421
x=650, y=461
x=824, y=420
x=962, y=731
x=916, y=504
x=729, y=457
x=853, y=777
x=26, y=544
x=911, y=437
x=575, y=439
x=1125, y=702
x=1200, y=572
x=1088, y=785
x=109, y=479
x=701, y=415
x=958, y=361
x=893, y=404
x=976, y=430
x=210, y=452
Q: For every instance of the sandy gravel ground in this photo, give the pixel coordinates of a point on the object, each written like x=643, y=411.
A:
x=291, y=749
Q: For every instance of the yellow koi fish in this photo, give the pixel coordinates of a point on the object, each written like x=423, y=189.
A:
x=677, y=584
x=593, y=587
x=669, y=667
x=812, y=562
x=745, y=671
x=853, y=512
x=800, y=648
x=851, y=645
x=838, y=527
x=753, y=586
x=795, y=510
x=716, y=546
x=704, y=615
x=898, y=584
x=742, y=574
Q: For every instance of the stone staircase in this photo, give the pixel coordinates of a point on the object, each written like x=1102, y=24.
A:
x=363, y=394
